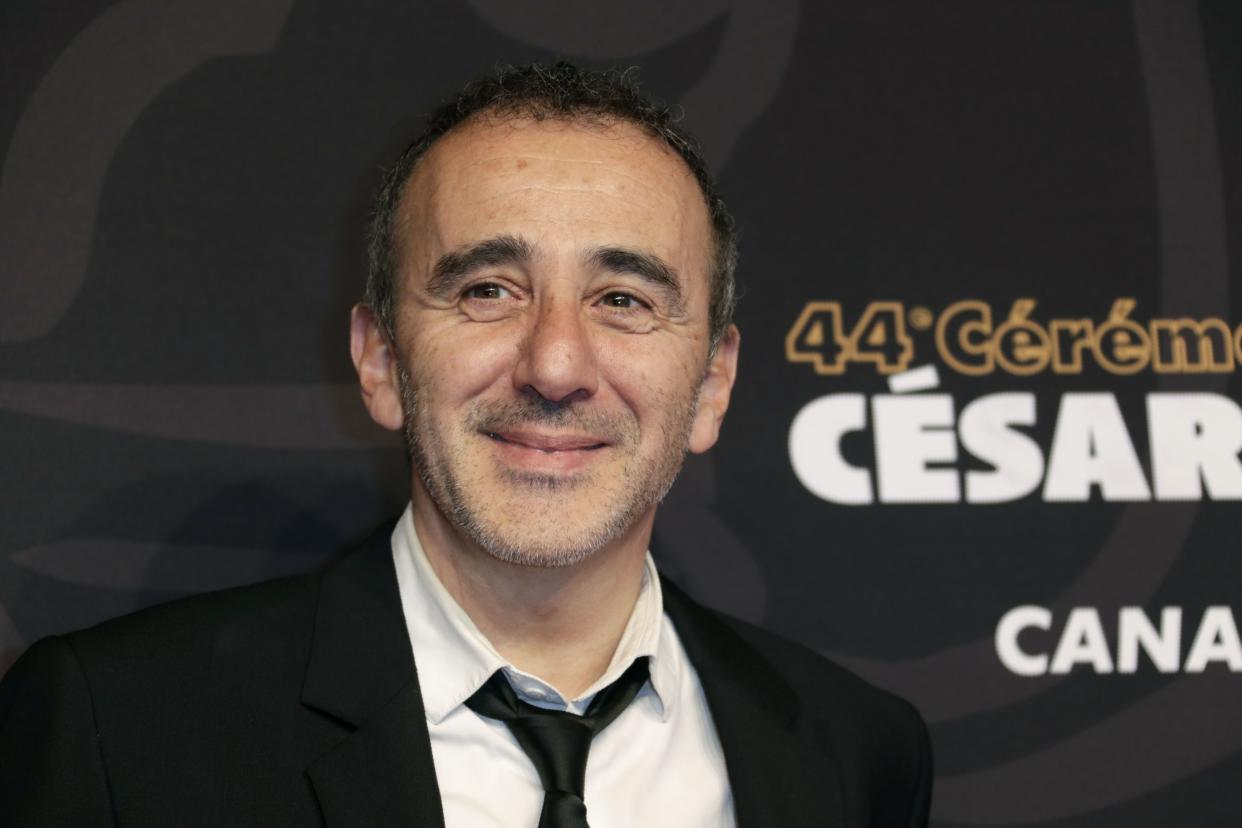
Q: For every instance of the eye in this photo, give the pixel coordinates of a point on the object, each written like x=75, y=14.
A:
x=490, y=301
x=621, y=301
x=486, y=290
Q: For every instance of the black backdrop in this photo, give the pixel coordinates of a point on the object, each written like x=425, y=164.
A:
x=987, y=430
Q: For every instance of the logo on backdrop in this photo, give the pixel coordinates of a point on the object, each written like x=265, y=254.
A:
x=920, y=438
x=1081, y=641
x=923, y=439
x=969, y=341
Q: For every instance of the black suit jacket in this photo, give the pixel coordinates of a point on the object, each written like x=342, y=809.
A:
x=295, y=702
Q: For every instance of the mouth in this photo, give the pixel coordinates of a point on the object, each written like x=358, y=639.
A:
x=548, y=443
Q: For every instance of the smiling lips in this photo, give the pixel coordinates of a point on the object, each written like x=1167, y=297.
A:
x=546, y=454
x=548, y=443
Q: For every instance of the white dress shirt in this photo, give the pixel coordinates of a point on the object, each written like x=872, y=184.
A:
x=658, y=764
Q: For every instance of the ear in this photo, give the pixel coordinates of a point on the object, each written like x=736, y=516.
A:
x=714, y=393
x=376, y=363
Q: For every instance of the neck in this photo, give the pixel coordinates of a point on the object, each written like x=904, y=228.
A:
x=563, y=623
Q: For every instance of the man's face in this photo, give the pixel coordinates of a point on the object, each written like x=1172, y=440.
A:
x=552, y=334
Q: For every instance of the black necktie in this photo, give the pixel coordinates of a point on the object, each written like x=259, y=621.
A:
x=557, y=742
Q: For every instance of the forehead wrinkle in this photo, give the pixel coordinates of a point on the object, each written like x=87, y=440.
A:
x=494, y=134
x=638, y=142
x=610, y=164
x=448, y=164
x=566, y=190
x=619, y=131
x=513, y=183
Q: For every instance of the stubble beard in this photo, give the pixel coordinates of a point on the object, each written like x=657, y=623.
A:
x=645, y=480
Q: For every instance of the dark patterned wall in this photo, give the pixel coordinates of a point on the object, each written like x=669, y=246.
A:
x=985, y=445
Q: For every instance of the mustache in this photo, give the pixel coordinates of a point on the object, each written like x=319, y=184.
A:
x=501, y=416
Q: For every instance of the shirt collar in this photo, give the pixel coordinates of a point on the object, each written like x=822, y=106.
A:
x=454, y=658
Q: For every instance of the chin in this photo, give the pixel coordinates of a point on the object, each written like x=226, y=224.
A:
x=540, y=558
x=560, y=545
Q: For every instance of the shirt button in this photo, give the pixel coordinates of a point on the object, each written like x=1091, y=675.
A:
x=536, y=693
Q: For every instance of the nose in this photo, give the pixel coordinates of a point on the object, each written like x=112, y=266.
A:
x=557, y=360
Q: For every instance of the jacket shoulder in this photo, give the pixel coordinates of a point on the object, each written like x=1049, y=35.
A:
x=133, y=717
x=806, y=670
x=880, y=740
x=182, y=665
x=208, y=625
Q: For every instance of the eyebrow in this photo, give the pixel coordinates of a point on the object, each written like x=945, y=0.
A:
x=455, y=266
x=646, y=266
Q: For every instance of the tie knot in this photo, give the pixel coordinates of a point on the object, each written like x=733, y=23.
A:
x=558, y=742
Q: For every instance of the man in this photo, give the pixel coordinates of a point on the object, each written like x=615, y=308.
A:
x=548, y=321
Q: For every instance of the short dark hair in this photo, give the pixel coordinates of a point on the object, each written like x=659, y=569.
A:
x=549, y=91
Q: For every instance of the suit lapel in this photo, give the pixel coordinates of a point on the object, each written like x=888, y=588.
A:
x=754, y=711
x=361, y=672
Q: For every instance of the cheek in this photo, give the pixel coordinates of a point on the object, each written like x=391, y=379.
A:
x=457, y=362
x=652, y=378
